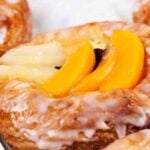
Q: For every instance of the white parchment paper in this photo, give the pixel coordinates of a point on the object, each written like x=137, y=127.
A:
x=49, y=15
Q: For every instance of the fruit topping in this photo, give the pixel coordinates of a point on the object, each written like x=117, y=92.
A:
x=92, y=81
x=129, y=61
x=78, y=64
x=26, y=73
x=120, y=67
x=33, y=63
x=50, y=54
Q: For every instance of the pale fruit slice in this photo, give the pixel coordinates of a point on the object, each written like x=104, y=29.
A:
x=78, y=65
x=129, y=62
x=26, y=73
x=50, y=54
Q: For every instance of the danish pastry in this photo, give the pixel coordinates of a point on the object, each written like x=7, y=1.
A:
x=32, y=118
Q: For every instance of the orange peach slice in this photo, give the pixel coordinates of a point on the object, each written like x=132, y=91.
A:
x=129, y=62
x=92, y=81
x=78, y=64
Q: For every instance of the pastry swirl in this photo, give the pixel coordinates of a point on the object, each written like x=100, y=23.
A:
x=15, y=23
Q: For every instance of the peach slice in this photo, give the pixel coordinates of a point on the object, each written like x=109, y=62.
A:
x=78, y=64
x=129, y=62
x=92, y=81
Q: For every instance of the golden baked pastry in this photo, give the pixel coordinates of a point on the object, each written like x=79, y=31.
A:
x=15, y=23
x=142, y=14
x=31, y=118
x=136, y=141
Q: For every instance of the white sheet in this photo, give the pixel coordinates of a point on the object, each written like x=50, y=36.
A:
x=50, y=15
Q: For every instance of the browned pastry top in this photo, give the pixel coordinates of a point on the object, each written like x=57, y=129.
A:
x=15, y=23
x=142, y=14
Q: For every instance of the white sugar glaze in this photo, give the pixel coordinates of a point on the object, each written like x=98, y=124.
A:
x=61, y=121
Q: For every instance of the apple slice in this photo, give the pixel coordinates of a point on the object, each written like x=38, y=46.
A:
x=78, y=64
x=26, y=73
x=50, y=54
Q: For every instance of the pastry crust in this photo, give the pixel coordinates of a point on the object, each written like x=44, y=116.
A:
x=142, y=14
x=15, y=23
x=30, y=119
